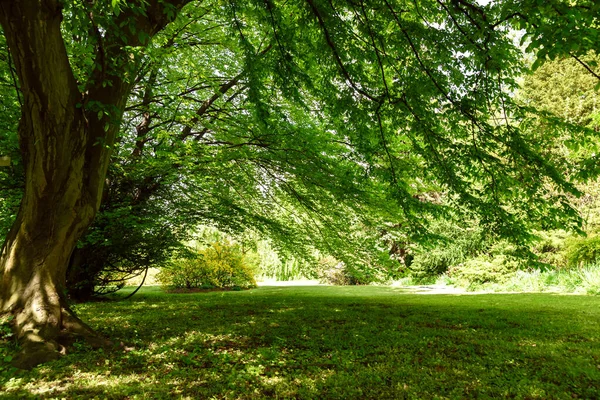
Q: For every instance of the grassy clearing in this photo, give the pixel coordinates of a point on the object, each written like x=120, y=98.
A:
x=329, y=342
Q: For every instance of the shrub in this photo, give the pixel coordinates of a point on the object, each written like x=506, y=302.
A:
x=590, y=280
x=483, y=269
x=431, y=261
x=331, y=271
x=550, y=248
x=219, y=265
x=585, y=280
x=582, y=251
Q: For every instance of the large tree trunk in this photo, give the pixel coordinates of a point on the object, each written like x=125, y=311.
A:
x=60, y=197
x=34, y=259
x=65, y=150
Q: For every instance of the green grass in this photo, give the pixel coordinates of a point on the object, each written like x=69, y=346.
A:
x=329, y=343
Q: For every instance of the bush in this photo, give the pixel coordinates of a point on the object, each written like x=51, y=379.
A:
x=219, y=265
x=590, y=280
x=550, y=248
x=431, y=261
x=333, y=272
x=585, y=280
x=582, y=251
x=483, y=269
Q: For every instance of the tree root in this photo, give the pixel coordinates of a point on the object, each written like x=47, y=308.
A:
x=33, y=354
x=39, y=346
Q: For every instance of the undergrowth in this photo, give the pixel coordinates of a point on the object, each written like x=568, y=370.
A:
x=585, y=280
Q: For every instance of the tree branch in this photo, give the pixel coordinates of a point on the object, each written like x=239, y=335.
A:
x=336, y=54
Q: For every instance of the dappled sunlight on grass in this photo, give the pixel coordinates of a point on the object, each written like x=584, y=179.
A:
x=329, y=342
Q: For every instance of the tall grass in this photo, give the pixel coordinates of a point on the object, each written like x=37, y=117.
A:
x=585, y=280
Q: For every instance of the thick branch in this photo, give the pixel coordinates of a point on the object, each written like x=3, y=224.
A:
x=187, y=131
x=108, y=90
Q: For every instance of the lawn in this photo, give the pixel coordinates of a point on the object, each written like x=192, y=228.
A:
x=327, y=342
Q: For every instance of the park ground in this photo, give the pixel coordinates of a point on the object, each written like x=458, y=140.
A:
x=325, y=342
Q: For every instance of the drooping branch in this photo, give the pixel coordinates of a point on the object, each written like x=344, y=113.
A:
x=586, y=66
x=207, y=104
x=336, y=55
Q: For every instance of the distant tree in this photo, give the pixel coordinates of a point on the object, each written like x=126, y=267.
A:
x=566, y=89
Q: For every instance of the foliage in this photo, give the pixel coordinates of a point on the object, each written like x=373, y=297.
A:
x=7, y=342
x=556, y=28
x=584, y=280
x=328, y=342
x=589, y=206
x=582, y=251
x=272, y=265
x=559, y=89
x=11, y=178
x=334, y=272
x=269, y=261
x=549, y=248
x=483, y=269
x=273, y=124
x=456, y=243
x=130, y=234
x=565, y=89
x=219, y=265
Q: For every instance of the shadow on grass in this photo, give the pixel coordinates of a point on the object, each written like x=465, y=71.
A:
x=330, y=342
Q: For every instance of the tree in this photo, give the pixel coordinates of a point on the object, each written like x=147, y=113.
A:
x=403, y=95
x=65, y=141
x=157, y=189
x=565, y=89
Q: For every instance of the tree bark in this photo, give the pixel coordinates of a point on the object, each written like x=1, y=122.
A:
x=59, y=200
x=66, y=152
